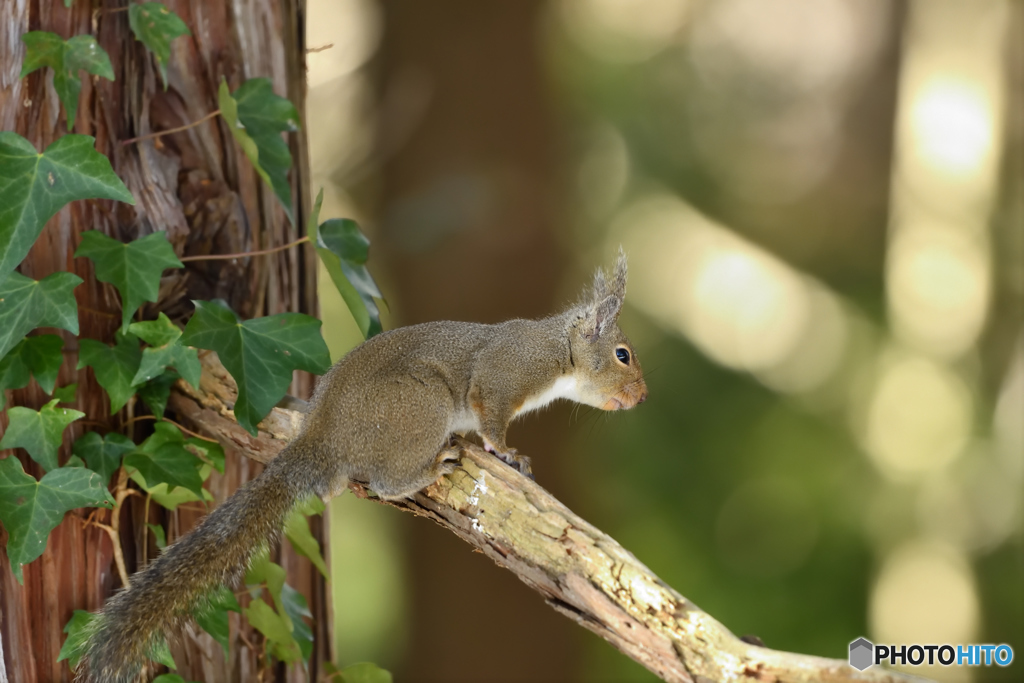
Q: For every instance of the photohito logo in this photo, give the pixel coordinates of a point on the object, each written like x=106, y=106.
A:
x=864, y=653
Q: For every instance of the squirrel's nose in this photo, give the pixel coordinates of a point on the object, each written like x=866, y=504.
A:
x=643, y=397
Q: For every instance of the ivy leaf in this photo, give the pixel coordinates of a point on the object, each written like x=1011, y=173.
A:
x=35, y=186
x=168, y=440
x=43, y=356
x=257, y=117
x=78, y=628
x=364, y=672
x=213, y=616
x=26, y=304
x=14, y=372
x=343, y=249
x=39, y=356
x=161, y=654
x=340, y=244
x=163, y=459
x=156, y=26
x=276, y=629
x=296, y=528
x=265, y=572
x=102, y=454
x=294, y=604
x=157, y=391
x=164, y=351
x=171, y=499
x=114, y=366
x=30, y=509
x=134, y=268
x=260, y=354
x=158, y=535
x=209, y=451
x=169, y=678
x=66, y=393
x=39, y=432
x=66, y=58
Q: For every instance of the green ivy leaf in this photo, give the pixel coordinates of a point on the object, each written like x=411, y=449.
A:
x=78, y=628
x=157, y=391
x=39, y=356
x=30, y=509
x=257, y=117
x=164, y=351
x=340, y=243
x=158, y=535
x=210, y=451
x=276, y=629
x=156, y=26
x=133, y=268
x=163, y=459
x=265, y=572
x=66, y=58
x=66, y=394
x=294, y=604
x=365, y=672
x=102, y=454
x=35, y=186
x=26, y=304
x=114, y=366
x=296, y=528
x=169, y=678
x=344, y=250
x=39, y=432
x=213, y=616
x=14, y=372
x=171, y=499
x=161, y=654
x=260, y=354
x=43, y=356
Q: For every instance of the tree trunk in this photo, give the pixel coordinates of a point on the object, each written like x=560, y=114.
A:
x=467, y=231
x=197, y=186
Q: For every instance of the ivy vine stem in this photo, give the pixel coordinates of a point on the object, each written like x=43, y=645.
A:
x=160, y=133
x=243, y=254
x=188, y=431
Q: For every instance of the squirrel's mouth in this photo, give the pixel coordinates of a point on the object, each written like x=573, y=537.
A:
x=626, y=399
x=612, y=404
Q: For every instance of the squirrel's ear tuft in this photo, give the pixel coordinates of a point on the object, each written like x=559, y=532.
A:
x=618, y=284
x=602, y=289
x=599, y=289
x=600, y=317
x=603, y=305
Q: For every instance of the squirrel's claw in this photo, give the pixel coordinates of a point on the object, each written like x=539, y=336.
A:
x=511, y=457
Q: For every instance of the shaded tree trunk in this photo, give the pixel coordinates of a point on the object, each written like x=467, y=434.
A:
x=467, y=231
x=198, y=187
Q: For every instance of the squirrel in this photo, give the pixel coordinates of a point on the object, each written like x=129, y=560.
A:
x=383, y=415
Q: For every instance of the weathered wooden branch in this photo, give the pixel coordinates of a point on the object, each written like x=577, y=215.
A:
x=579, y=570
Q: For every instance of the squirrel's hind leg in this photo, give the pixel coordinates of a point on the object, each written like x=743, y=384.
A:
x=443, y=463
x=413, y=453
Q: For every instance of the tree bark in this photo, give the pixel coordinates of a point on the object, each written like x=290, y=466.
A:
x=198, y=187
x=576, y=568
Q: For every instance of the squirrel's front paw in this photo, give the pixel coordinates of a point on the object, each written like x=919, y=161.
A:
x=511, y=457
x=523, y=464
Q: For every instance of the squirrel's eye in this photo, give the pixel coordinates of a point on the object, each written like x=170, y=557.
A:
x=622, y=354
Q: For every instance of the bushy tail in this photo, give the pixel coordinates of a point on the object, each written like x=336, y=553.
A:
x=217, y=551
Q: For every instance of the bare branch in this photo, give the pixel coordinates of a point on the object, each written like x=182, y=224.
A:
x=578, y=570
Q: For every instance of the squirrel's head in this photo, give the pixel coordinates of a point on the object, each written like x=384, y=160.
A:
x=607, y=369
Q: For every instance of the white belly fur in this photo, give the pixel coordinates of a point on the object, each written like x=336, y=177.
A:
x=563, y=387
x=465, y=421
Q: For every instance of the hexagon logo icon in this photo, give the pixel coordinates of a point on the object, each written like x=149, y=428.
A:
x=862, y=654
